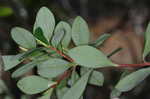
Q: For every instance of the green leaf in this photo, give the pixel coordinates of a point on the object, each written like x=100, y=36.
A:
x=24, y=69
x=147, y=42
x=47, y=94
x=5, y=11
x=38, y=33
x=3, y=87
x=25, y=97
x=100, y=40
x=80, y=32
x=132, y=80
x=58, y=36
x=81, y=97
x=88, y=56
x=45, y=20
x=84, y=70
x=23, y=37
x=74, y=77
x=77, y=90
x=96, y=78
x=9, y=62
x=32, y=53
x=115, y=94
x=8, y=97
x=60, y=92
x=34, y=84
x=63, y=83
x=52, y=67
x=27, y=67
x=63, y=26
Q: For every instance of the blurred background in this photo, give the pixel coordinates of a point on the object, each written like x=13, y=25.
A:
x=126, y=20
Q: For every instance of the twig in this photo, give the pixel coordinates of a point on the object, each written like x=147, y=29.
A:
x=61, y=53
x=135, y=65
x=62, y=77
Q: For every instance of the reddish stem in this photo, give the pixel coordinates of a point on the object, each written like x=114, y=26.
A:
x=62, y=77
x=61, y=53
x=135, y=65
x=67, y=73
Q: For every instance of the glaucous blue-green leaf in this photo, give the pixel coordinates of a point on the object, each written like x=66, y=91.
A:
x=45, y=20
x=52, y=67
x=38, y=33
x=8, y=97
x=132, y=80
x=25, y=97
x=9, y=62
x=76, y=91
x=74, y=77
x=88, y=56
x=24, y=69
x=27, y=67
x=96, y=78
x=63, y=26
x=100, y=40
x=5, y=11
x=32, y=53
x=125, y=73
x=47, y=94
x=81, y=97
x=80, y=31
x=3, y=87
x=84, y=70
x=23, y=37
x=58, y=36
x=60, y=92
x=147, y=42
x=34, y=84
x=115, y=94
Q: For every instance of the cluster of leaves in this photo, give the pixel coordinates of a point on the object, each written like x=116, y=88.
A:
x=62, y=70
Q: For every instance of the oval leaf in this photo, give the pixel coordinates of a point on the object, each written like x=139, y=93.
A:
x=38, y=33
x=34, y=84
x=58, y=36
x=74, y=78
x=80, y=31
x=24, y=69
x=47, y=94
x=89, y=57
x=52, y=67
x=27, y=67
x=76, y=91
x=147, y=42
x=23, y=37
x=96, y=78
x=9, y=62
x=60, y=92
x=132, y=80
x=67, y=36
x=45, y=20
x=115, y=94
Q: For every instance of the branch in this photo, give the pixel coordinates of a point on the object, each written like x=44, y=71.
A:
x=135, y=65
x=62, y=77
x=61, y=53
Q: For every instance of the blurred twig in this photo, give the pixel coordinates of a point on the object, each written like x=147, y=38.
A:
x=19, y=10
